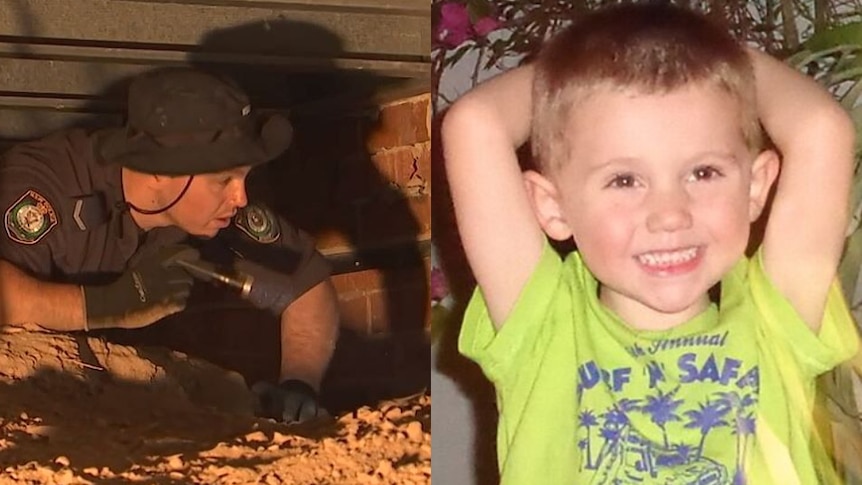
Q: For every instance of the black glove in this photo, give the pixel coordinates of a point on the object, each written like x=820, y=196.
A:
x=270, y=290
x=292, y=401
x=151, y=290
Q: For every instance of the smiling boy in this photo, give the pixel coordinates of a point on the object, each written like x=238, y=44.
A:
x=614, y=365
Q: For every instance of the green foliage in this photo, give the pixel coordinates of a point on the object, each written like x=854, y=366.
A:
x=522, y=26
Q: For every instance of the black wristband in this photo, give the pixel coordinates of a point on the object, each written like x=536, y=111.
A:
x=270, y=290
x=267, y=296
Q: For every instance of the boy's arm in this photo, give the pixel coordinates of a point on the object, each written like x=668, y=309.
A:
x=500, y=233
x=807, y=224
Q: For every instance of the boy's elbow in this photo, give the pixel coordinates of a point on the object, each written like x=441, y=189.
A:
x=842, y=134
x=830, y=132
x=460, y=121
x=475, y=118
x=459, y=115
x=837, y=123
x=848, y=127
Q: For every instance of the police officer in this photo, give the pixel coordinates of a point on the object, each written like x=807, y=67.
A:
x=98, y=225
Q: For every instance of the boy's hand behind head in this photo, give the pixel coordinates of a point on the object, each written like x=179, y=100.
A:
x=644, y=127
x=638, y=48
x=659, y=192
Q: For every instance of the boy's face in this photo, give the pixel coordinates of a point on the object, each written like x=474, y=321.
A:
x=659, y=192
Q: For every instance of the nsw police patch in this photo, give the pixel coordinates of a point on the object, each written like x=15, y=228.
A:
x=258, y=223
x=30, y=218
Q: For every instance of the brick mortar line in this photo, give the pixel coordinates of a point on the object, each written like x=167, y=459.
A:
x=414, y=146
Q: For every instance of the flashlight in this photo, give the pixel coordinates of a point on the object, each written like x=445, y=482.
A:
x=209, y=272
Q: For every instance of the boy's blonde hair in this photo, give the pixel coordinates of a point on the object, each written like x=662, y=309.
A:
x=648, y=48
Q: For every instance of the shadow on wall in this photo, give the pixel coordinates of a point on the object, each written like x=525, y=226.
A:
x=466, y=374
x=325, y=183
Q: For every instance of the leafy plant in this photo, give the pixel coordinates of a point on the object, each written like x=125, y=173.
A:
x=497, y=29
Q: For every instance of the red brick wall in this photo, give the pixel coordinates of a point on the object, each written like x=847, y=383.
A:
x=366, y=184
x=400, y=145
x=355, y=181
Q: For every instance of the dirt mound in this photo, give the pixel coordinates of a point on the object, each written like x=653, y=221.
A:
x=123, y=415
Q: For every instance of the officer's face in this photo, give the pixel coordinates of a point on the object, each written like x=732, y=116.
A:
x=210, y=202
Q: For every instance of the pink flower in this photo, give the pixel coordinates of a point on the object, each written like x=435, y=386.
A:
x=439, y=287
x=486, y=25
x=454, y=28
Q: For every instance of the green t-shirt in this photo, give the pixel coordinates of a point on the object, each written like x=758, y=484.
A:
x=725, y=398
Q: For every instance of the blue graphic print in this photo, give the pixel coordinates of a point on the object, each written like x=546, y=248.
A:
x=615, y=451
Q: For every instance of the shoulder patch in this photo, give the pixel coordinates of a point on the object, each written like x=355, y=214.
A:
x=30, y=218
x=259, y=223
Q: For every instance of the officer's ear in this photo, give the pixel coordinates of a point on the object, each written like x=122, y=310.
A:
x=170, y=183
x=158, y=181
x=153, y=181
x=141, y=180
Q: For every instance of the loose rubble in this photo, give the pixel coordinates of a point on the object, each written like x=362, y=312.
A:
x=62, y=423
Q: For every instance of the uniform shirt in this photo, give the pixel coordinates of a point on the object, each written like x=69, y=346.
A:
x=66, y=220
x=725, y=398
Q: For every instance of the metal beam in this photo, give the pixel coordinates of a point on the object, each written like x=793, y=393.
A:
x=378, y=33
x=166, y=57
x=406, y=7
x=387, y=257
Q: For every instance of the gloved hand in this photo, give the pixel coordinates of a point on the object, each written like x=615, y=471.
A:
x=292, y=401
x=151, y=290
x=270, y=290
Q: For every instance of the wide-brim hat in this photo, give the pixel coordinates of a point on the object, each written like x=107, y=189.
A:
x=183, y=121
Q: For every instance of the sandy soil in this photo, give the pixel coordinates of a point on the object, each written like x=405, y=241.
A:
x=159, y=417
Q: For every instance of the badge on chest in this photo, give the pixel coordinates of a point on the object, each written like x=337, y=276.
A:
x=258, y=223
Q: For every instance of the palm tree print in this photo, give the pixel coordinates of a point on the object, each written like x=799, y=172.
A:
x=627, y=405
x=584, y=444
x=684, y=451
x=709, y=415
x=661, y=409
x=744, y=426
x=735, y=401
x=615, y=420
x=587, y=419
